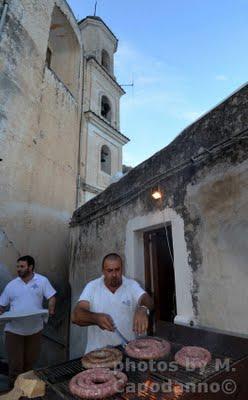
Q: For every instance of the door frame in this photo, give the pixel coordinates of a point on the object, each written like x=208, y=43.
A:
x=134, y=252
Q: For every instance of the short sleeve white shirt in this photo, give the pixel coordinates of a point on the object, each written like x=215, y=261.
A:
x=120, y=306
x=24, y=297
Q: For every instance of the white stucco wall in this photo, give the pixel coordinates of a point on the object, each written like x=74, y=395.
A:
x=98, y=130
x=96, y=139
x=221, y=200
x=96, y=37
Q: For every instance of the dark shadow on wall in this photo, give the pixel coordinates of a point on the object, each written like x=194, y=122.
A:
x=55, y=344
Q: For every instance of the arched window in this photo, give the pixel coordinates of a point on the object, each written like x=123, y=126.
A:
x=106, y=108
x=106, y=60
x=106, y=160
x=63, y=51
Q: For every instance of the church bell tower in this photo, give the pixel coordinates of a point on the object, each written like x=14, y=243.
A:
x=102, y=139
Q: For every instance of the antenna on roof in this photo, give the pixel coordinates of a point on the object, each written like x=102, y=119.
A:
x=95, y=8
x=128, y=84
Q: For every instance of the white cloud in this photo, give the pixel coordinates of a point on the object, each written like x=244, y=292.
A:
x=158, y=86
x=154, y=99
x=191, y=116
x=221, y=78
x=159, y=102
x=147, y=79
x=155, y=83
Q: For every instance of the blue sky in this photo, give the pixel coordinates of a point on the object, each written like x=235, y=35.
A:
x=184, y=56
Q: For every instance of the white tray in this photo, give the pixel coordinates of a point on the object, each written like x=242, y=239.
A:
x=13, y=315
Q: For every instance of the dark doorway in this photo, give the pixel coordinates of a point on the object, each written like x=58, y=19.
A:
x=159, y=275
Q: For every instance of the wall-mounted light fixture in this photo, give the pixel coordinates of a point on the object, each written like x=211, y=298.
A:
x=156, y=193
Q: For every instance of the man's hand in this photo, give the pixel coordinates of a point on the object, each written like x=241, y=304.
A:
x=82, y=316
x=51, y=306
x=140, y=321
x=105, y=322
x=2, y=309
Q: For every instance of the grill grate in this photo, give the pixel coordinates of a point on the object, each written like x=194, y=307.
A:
x=61, y=372
x=181, y=374
x=59, y=376
x=146, y=392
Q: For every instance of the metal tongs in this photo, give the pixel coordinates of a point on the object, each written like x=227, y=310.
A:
x=123, y=339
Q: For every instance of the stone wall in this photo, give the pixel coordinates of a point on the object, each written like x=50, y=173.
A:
x=202, y=175
x=39, y=133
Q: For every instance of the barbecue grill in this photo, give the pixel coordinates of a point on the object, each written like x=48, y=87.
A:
x=156, y=383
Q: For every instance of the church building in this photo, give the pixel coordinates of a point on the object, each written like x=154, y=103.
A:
x=60, y=138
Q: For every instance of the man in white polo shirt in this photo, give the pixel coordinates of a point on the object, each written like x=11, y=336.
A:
x=112, y=301
x=23, y=336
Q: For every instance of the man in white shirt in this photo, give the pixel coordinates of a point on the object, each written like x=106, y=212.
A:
x=112, y=301
x=23, y=336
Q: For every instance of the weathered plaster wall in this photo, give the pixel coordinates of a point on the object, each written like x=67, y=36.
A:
x=220, y=202
x=39, y=129
x=99, y=88
x=202, y=176
x=65, y=51
x=94, y=174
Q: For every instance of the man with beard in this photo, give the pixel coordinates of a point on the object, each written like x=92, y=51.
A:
x=112, y=301
x=23, y=336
